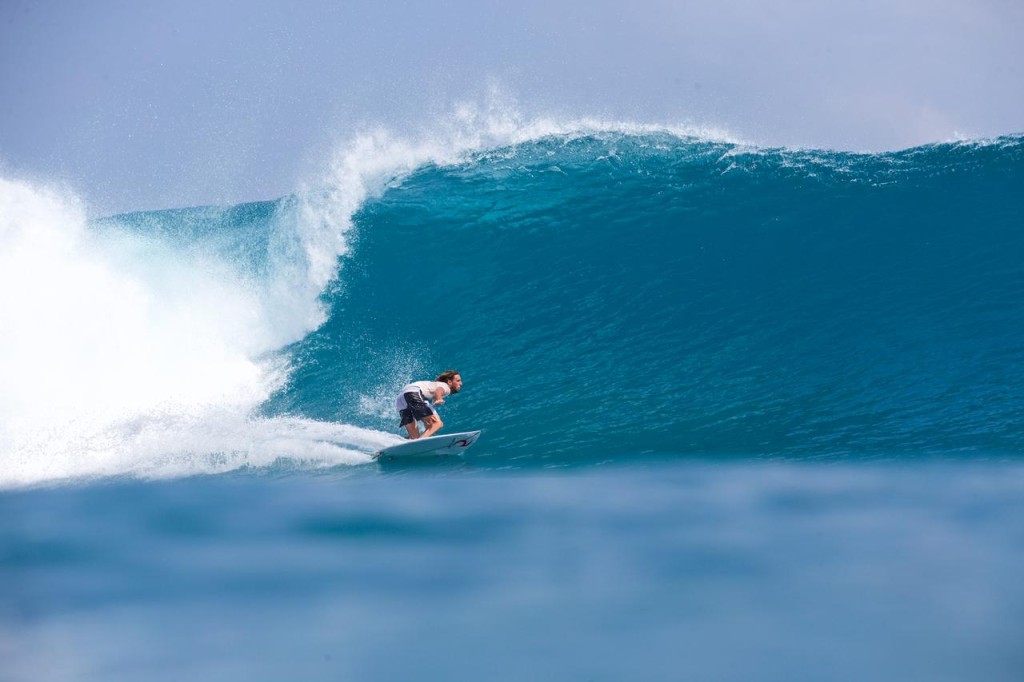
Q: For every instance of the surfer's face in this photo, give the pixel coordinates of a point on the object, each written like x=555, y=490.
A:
x=455, y=383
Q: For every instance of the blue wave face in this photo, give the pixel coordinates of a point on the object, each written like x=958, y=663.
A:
x=612, y=295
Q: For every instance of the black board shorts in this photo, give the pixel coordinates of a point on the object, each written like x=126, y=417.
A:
x=417, y=409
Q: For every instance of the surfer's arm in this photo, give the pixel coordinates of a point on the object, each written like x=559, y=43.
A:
x=439, y=396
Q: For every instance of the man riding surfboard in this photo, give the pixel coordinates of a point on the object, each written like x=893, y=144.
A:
x=412, y=403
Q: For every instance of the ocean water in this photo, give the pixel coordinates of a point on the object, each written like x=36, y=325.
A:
x=748, y=414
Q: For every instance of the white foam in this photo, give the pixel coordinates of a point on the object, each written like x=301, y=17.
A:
x=121, y=354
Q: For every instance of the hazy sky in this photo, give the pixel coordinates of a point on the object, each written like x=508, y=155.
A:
x=158, y=104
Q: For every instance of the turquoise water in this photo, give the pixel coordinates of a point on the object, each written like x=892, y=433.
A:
x=606, y=297
x=748, y=414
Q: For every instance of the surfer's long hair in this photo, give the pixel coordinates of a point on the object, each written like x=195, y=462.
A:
x=446, y=376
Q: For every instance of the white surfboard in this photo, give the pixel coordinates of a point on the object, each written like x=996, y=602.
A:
x=436, y=446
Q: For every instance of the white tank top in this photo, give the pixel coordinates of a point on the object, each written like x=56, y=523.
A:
x=427, y=388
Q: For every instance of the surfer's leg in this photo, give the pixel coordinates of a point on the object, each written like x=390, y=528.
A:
x=409, y=417
x=433, y=424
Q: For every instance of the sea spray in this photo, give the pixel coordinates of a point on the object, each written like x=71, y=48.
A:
x=146, y=351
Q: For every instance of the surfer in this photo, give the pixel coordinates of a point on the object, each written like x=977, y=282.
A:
x=413, y=406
